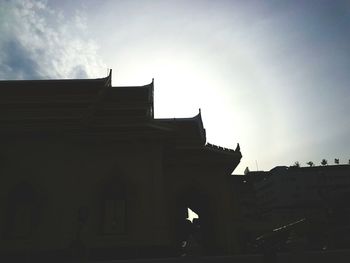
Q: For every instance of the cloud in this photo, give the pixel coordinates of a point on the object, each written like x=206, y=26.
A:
x=37, y=41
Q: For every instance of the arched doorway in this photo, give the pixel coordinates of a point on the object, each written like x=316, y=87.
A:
x=113, y=207
x=201, y=230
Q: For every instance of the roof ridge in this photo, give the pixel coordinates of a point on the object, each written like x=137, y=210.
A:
x=217, y=147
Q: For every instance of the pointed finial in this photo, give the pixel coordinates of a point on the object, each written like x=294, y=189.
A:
x=238, y=148
x=109, y=72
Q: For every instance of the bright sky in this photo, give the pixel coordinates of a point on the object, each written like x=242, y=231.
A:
x=271, y=75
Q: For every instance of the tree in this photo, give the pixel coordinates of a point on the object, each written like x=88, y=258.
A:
x=296, y=164
x=324, y=162
x=310, y=163
x=336, y=161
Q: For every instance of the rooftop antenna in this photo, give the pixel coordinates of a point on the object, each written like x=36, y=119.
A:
x=257, y=167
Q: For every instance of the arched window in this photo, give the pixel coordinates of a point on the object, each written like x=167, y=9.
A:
x=21, y=212
x=114, y=208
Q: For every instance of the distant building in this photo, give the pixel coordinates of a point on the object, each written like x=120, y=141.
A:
x=87, y=171
x=246, y=208
x=291, y=192
x=268, y=201
x=315, y=193
x=244, y=193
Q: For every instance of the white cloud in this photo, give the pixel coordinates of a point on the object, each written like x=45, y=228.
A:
x=37, y=41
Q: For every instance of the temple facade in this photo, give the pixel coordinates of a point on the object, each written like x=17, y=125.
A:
x=87, y=171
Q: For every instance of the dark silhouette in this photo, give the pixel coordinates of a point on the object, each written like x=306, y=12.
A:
x=305, y=209
x=192, y=243
x=296, y=164
x=310, y=163
x=88, y=173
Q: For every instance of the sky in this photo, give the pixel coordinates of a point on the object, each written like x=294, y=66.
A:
x=270, y=75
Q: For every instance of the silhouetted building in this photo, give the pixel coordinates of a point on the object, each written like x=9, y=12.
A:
x=246, y=208
x=301, y=188
x=315, y=193
x=87, y=171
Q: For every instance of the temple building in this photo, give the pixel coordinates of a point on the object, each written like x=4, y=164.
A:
x=87, y=171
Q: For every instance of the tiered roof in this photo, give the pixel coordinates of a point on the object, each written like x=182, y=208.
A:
x=74, y=104
x=186, y=131
x=92, y=107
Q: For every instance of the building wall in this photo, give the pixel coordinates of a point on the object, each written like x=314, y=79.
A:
x=301, y=190
x=69, y=176
x=314, y=193
x=205, y=189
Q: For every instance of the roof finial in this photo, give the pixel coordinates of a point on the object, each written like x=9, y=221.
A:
x=109, y=78
x=199, y=110
x=238, y=148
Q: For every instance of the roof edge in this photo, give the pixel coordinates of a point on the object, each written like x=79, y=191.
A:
x=105, y=79
x=223, y=149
